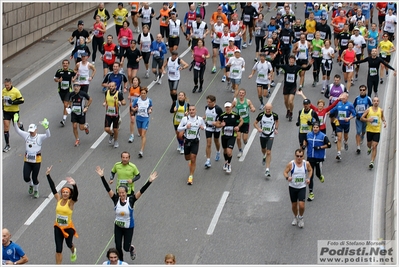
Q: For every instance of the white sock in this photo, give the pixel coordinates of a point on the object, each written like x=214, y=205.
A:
x=64, y=117
x=31, y=183
x=36, y=187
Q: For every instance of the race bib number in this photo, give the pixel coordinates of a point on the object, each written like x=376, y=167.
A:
x=228, y=130
x=64, y=85
x=349, y=68
x=344, y=42
x=316, y=53
x=235, y=72
x=310, y=36
x=125, y=41
x=243, y=113
x=322, y=35
x=96, y=32
x=373, y=71
x=375, y=121
x=247, y=18
x=298, y=180
x=111, y=110
x=6, y=98
x=372, y=42
x=179, y=116
x=383, y=54
x=31, y=157
x=197, y=66
x=305, y=128
x=341, y=115
x=83, y=78
x=290, y=78
x=121, y=224
x=77, y=110
x=108, y=55
x=62, y=220
x=119, y=19
x=360, y=108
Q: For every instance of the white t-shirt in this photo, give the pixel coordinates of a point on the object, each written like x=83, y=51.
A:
x=262, y=72
x=236, y=68
x=326, y=51
x=390, y=22
x=358, y=41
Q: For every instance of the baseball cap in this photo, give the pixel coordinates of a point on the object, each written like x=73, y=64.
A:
x=84, y=54
x=306, y=101
x=237, y=50
x=356, y=29
x=80, y=22
x=273, y=17
x=316, y=4
x=231, y=39
x=227, y=104
x=32, y=128
x=339, y=4
x=323, y=17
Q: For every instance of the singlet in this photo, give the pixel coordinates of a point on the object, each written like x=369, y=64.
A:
x=84, y=73
x=108, y=57
x=174, y=28
x=303, y=121
x=302, y=50
x=335, y=91
x=224, y=41
x=193, y=132
x=243, y=110
x=103, y=16
x=190, y=19
x=235, y=28
x=217, y=28
x=180, y=111
x=33, y=147
x=267, y=124
x=390, y=22
x=373, y=43
x=173, y=69
x=375, y=125
x=145, y=42
x=134, y=92
x=124, y=214
x=112, y=106
x=211, y=115
x=146, y=13
x=229, y=52
x=349, y=56
x=97, y=33
x=298, y=175
x=164, y=15
x=63, y=218
x=143, y=106
x=236, y=67
x=198, y=30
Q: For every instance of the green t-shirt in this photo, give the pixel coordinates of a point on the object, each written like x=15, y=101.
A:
x=317, y=50
x=125, y=172
x=243, y=110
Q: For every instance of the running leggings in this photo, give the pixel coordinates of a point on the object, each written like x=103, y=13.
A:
x=59, y=238
x=97, y=43
x=260, y=40
x=316, y=67
x=199, y=74
x=123, y=233
x=315, y=166
x=372, y=84
x=33, y=168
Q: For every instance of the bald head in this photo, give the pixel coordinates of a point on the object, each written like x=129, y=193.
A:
x=268, y=108
x=6, y=237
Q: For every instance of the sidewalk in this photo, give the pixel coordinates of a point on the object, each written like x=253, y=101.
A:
x=24, y=64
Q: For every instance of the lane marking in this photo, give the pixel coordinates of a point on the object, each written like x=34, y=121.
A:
x=254, y=131
x=44, y=204
x=218, y=212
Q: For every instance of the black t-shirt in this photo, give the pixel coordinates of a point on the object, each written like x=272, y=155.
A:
x=232, y=120
x=291, y=74
x=78, y=101
x=76, y=33
x=132, y=56
x=66, y=76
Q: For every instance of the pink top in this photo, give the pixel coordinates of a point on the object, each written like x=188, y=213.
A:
x=198, y=52
x=125, y=36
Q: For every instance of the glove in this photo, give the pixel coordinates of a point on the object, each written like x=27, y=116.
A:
x=297, y=124
x=72, y=43
x=16, y=117
x=9, y=101
x=317, y=148
x=310, y=123
x=68, y=110
x=45, y=123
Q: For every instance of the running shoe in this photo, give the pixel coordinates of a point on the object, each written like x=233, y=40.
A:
x=375, y=94
x=244, y=45
x=311, y=196
x=87, y=129
x=131, y=138
x=224, y=78
x=371, y=165
x=255, y=59
x=111, y=138
x=332, y=134
x=264, y=160
x=178, y=147
x=381, y=81
x=356, y=77
x=77, y=142
x=147, y=74
x=190, y=180
x=267, y=173
x=228, y=170
x=322, y=90
x=368, y=151
x=214, y=69
x=261, y=107
x=346, y=146
x=239, y=155
x=217, y=157
x=207, y=164
x=314, y=84
x=167, y=44
x=140, y=154
x=200, y=89
x=250, y=42
x=301, y=223
x=290, y=116
x=195, y=88
x=132, y=251
x=295, y=221
x=286, y=115
x=156, y=78
x=73, y=255
x=335, y=139
x=62, y=123
x=272, y=84
x=321, y=178
x=30, y=191
x=182, y=150
x=159, y=81
x=225, y=166
x=116, y=144
x=6, y=148
x=358, y=151
x=338, y=157
x=36, y=194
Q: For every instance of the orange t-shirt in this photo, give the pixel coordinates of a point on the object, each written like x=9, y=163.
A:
x=224, y=17
x=135, y=6
x=341, y=22
x=164, y=14
x=134, y=92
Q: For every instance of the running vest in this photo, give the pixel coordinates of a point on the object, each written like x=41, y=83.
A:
x=235, y=28
x=78, y=104
x=375, y=125
x=108, y=57
x=84, y=73
x=63, y=218
x=224, y=41
x=180, y=111
x=146, y=13
x=210, y=117
x=298, y=175
x=145, y=42
x=198, y=30
x=362, y=103
x=303, y=121
x=229, y=52
x=174, y=28
x=102, y=15
x=191, y=16
x=243, y=110
x=124, y=214
x=263, y=70
x=97, y=33
x=33, y=149
x=336, y=91
x=164, y=14
x=267, y=124
x=216, y=29
x=302, y=51
x=112, y=106
x=173, y=69
x=143, y=106
x=372, y=43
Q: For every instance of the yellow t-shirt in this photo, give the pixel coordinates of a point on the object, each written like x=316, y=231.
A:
x=120, y=16
x=12, y=94
x=385, y=48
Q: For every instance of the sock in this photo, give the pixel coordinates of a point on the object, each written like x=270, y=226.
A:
x=7, y=137
x=358, y=147
x=314, y=76
x=31, y=183
x=261, y=100
x=264, y=156
x=64, y=117
x=240, y=149
x=324, y=84
x=226, y=158
x=208, y=159
x=174, y=97
x=300, y=217
x=36, y=187
x=229, y=159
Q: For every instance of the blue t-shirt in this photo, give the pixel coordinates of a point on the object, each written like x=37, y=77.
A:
x=13, y=252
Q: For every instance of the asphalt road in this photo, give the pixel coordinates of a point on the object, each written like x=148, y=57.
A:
x=254, y=226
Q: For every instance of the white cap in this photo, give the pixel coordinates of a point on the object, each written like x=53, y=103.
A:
x=316, y=4
x=32, y=128
x=231, y=39
x=339, y=4
x=237, y=50
x=227, y=104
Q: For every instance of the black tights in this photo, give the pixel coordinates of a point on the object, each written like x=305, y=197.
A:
x=126, y=234
x=33, y=168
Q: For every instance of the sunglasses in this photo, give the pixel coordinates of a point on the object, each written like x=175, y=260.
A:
x=299, y=156
x=362, y=89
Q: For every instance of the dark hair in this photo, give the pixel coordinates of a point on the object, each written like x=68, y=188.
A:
x=139, y=85
x=125, y=152
x=112, y=250
x=211, y=98
x=65, y=60
x=70, y=191
x=337, y=76
x=110, y=35
x=7, y=80
x=300, y=150
x=127, y=22
x=144, y=89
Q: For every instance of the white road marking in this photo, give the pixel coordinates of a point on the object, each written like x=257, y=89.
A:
x=218, y=211
x=254, y=131
x=44, y=204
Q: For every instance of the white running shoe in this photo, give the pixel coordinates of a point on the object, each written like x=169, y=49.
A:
x=301, y=223
x=295, y=221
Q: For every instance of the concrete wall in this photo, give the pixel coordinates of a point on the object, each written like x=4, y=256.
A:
x=26, y=23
